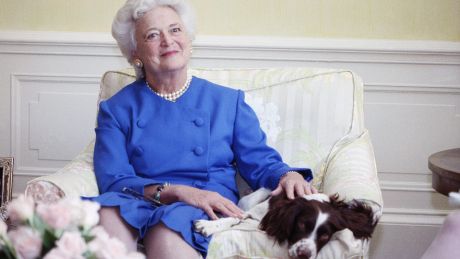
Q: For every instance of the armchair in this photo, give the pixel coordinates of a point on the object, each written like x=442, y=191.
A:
x=313, y=117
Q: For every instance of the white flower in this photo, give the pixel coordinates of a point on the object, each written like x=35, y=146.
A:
x=72, y=243
x=26, y=241
x=20, y=209
x=90, y=214
x=76, y=210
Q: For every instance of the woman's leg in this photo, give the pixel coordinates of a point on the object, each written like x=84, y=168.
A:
x=161, y=242
x=446, y=243
x=116, y=226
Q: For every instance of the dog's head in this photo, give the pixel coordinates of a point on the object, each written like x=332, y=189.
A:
x=308, y=223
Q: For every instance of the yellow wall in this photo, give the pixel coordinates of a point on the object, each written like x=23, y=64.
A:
x=376, y=19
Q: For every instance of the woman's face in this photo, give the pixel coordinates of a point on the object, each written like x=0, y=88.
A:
x=163, y=44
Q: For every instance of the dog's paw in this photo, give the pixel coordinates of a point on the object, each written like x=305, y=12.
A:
x=206, y=227
x=209, y=227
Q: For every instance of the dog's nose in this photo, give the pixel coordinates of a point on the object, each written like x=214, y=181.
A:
x=303, y=253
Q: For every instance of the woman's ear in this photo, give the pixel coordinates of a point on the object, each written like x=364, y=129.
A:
x=134, y=55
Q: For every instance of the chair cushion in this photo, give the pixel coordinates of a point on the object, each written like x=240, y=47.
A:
x=246, y=243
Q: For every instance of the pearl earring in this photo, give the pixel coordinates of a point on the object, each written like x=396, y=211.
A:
x=138, y=63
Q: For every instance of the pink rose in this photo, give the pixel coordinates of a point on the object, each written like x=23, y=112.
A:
x=26, y=241
x=20, y=209
x=56, y=253
x=56, y=215
x=72, y=243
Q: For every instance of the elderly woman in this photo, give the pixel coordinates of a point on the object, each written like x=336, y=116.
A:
x=176, y=140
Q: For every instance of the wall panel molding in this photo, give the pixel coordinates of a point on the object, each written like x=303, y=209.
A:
x=260, y=48
x=35, y=100
x=406, y=186
x=414, y=217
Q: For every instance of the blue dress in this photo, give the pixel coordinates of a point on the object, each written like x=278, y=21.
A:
x=200, y=140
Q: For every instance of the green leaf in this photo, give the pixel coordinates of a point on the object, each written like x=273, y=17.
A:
x=37, y=224
x=6, y=252
x=49, y=240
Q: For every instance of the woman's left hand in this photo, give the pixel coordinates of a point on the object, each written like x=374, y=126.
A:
x=293, y=184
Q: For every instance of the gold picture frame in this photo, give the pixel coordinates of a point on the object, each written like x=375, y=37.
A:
x=6, y=180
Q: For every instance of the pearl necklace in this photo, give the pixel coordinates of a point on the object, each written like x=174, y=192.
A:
x=172, y=97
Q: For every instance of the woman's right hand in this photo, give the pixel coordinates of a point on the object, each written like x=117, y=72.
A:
x=210, y=202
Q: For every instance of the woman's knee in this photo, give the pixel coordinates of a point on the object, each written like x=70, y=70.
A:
x=115, y=226
x=171, y=243
x=162, y=235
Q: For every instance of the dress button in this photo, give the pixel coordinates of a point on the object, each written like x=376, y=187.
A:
x=139, y=151
x=141, y=123
x=199, y=122
x=198, y=151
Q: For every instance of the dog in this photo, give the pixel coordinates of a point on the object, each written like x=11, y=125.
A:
x=305, y=223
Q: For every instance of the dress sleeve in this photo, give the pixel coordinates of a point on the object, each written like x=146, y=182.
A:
x=111, y=160
x=259, y=164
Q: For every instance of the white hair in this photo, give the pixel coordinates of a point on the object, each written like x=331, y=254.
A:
x=124, y=30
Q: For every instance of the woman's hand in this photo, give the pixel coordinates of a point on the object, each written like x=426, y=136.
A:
x=293, y=184
x=210, y=202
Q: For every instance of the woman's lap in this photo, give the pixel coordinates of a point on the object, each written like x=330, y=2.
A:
x=142, y=216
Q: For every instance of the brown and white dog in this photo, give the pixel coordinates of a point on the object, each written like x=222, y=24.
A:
x=305, y=223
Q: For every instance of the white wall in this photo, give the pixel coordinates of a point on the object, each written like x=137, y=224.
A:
x=49, y=86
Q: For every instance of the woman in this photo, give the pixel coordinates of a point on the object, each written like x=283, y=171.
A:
x=175, y=139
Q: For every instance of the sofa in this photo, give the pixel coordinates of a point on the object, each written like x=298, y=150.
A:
x=313, y=116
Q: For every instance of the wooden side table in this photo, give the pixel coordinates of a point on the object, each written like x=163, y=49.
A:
x=445, y=166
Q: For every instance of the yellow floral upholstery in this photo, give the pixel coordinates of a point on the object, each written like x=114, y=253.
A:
x=313, y=117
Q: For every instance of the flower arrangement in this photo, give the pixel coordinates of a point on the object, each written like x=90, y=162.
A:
x=64, y=229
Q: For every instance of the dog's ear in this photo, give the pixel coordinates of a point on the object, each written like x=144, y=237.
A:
x=355, y=215
x=279, y=221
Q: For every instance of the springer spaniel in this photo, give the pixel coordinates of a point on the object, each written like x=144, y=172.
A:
x=306, y=223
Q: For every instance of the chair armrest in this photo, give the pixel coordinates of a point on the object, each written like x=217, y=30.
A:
x=44, y=192
x=352, y=173
x=74, y=180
